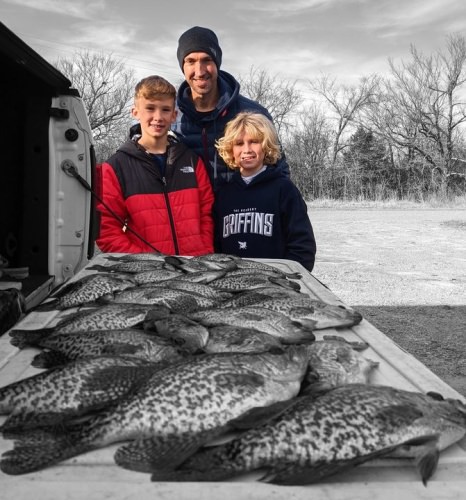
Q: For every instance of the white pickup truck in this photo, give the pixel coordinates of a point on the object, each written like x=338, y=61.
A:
x=47, y=224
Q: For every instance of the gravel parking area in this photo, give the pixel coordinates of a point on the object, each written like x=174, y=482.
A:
x=405, y=271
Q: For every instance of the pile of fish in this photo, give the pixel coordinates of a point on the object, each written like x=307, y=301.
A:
x=170, y=355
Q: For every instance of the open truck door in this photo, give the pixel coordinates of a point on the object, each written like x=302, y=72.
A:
x=47, y=216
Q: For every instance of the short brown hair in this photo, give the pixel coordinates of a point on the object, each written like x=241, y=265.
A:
x=257, y=126
x=154, y=87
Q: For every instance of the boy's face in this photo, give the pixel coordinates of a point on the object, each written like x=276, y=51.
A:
x=154, y=115
x=248, y=154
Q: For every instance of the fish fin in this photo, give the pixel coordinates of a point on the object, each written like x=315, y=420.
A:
x=308, y=324
x=49, y=305
x=157, y=312
x=291, y=474
x=427, y=462
x=294, y=276
x=397, y=415
x=357, y=317
x=160, y=453
x=38, y=449
x=261, y=415
x=13, y=423
x=245, y=380
x=50, y=359
x=99, y=267
x=28, y=338
x=284, y=282
x=356, y=345
x=25, y=421
x=315, y=389
x=435, y=395
x=426, y=451
x=106, y=298
x=175, y=261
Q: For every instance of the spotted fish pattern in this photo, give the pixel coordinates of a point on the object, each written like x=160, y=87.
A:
x=315, y=438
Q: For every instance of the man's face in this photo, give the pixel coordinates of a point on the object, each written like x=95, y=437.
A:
x=200, y=71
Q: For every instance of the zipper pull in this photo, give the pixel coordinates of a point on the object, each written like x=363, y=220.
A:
x=125, y=226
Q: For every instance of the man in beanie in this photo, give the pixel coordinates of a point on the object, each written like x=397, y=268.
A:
x=208, y=99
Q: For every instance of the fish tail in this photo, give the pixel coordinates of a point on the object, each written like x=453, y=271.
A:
x=49, y=359
x=49, y=305
x=357, y=317
x=28, y=338
x=38, y=449
x=98, y=267
x=212, y=463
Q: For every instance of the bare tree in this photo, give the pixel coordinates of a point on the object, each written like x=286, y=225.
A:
x=307, y=149
x=346, y=101
x=421, y=111
x=107, y=88
x=279, y=96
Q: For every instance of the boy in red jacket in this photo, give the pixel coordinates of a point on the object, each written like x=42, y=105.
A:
x=156, y=194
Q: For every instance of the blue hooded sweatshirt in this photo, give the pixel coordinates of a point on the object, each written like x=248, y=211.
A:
x=199, y=130
x=266, y=218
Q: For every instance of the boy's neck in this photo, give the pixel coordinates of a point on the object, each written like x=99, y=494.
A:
x=154, y=145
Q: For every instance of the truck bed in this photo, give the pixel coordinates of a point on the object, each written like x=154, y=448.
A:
x=94, y=474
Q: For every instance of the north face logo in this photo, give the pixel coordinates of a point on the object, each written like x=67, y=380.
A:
x=187, y=170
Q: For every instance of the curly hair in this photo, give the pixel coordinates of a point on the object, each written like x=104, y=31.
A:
x=258, y=127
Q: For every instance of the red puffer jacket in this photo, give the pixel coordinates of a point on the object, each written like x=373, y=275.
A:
x=172, y=213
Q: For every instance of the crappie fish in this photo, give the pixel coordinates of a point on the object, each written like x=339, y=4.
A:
x=202, y=289
x=133, y=257
x=60, y=348
x=228, y=338
x=250, y=282
x=302, y=307
x=108, y=316
x=336, y=362
x=189, y=335
x=272, y=272
x=257, y=295
x=131, y=267
x=317, y=437
x=175, y=300
x=69, y=391
x=86, y=290
x=216, y=257
x=173, y=410
x=191, y=265
x=258, y=265
x=272, y=322
x=155, y=276
x=204, y=277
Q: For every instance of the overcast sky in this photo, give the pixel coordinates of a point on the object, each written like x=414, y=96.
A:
x=296, y=39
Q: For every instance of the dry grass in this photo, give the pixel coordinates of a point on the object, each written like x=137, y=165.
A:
x=457, y=202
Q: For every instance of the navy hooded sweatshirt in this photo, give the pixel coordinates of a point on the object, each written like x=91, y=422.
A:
x=266, y=218
x=199, y=131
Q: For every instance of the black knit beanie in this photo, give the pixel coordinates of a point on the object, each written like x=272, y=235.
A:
x=199, y=39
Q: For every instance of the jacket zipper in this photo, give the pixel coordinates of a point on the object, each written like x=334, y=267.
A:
x=170, y=216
